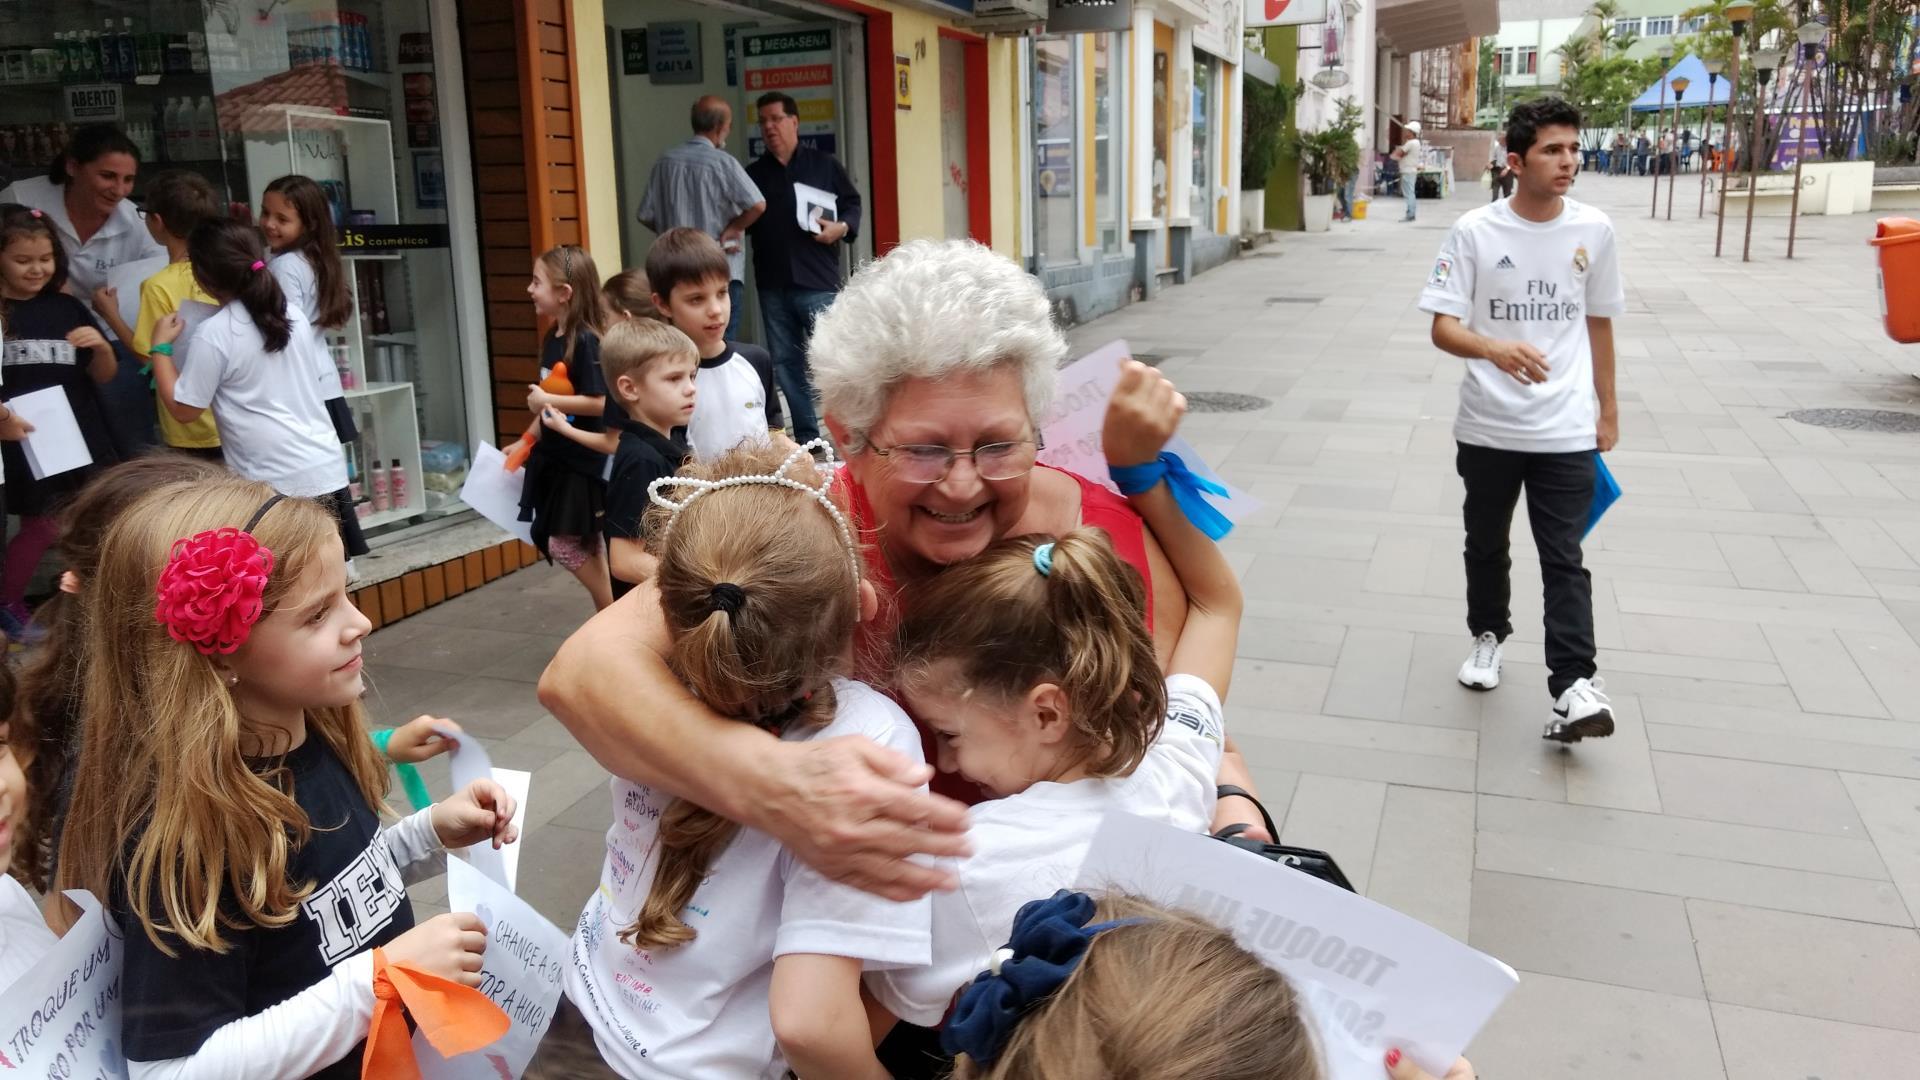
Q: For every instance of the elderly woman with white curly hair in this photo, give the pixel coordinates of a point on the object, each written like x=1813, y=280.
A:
x=935, y=366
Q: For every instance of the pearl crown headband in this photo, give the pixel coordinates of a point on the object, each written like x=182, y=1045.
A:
x=656, y=492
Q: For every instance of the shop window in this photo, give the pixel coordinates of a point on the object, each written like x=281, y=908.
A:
x=1200, y=194
x=1109, y=168
x=244, y=94
x=1054, y=150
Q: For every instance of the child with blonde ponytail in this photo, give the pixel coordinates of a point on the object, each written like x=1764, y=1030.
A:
x=701, y=930
x=227, y=802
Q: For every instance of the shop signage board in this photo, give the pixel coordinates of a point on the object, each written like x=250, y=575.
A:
x=376, y=239
x=1088, y=16
x=673, y=53
x=92, y=103
x=731, y=36
x=1220, y=34
x=633, y=51
x=1285, y=12
x=797, y=61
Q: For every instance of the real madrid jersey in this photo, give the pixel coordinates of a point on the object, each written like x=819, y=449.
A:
x=1539, y=282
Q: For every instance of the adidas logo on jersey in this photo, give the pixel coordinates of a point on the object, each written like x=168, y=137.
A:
x=1505, y=263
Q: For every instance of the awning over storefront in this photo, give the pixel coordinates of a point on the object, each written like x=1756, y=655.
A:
x=1413, y=25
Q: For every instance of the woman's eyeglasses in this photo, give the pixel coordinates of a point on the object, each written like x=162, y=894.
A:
x=922, y=464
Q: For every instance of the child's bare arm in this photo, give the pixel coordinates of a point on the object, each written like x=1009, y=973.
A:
x=820, y=1019
x=1142, y=415
x=629, y=560
x=600, y=442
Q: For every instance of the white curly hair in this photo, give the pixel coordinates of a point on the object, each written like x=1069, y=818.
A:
x=928, y=309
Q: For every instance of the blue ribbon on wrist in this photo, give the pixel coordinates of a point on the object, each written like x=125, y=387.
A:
x=1189, y=490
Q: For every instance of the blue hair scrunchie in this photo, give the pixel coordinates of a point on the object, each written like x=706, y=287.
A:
x=1049, y=939
x=1189, y=490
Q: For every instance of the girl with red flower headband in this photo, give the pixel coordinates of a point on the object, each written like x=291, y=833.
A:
x=51, y=341
x=227, y=802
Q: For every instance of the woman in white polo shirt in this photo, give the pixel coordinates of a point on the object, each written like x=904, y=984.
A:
x=85, y=195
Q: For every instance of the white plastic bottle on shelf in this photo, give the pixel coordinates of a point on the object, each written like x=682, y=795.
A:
x=206, y=131
x=397, y=486
x=172, y=133
x=382, y=493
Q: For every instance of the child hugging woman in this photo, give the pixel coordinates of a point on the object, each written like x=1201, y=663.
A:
x=708, y=950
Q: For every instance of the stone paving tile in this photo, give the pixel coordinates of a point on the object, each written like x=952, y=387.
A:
x=1575, y=1029
x=1760, y=1044
x=1833, y=969
x=1616, y=936
x=1757, y=604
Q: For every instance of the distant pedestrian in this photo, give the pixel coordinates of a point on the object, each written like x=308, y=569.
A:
x=1525, y=290
x=1408, y=155
x=797, y=268
x=699, y=185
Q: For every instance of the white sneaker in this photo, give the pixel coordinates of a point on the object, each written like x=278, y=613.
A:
x=1582, y=712
x=1482, y=669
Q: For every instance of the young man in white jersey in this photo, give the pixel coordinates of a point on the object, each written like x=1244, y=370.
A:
x=1525, y=291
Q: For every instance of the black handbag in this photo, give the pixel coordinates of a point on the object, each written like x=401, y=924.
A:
x=1306, y=860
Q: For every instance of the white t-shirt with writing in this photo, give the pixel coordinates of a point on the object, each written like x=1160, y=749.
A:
x=273, y=423
x=1511, y=279
x=1025, y=846
x=701, y=1010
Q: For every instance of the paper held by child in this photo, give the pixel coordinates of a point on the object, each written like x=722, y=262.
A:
x=469, y=762
x=55, y=445
x=1369, y=978
x=63, y=1017
x=522, y=975
x=1079, y=411
x=494, y=493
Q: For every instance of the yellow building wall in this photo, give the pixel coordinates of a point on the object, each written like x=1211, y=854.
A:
x=916, y=36
x=598, y=156
x=1006, y=127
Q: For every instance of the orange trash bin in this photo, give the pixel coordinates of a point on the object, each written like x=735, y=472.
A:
x=1899, y=242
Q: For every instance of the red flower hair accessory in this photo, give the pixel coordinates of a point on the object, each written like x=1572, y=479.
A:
x=210, y=593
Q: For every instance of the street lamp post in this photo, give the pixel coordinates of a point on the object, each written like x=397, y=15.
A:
x=1714, y=68
x=1738, y=15
x=1665, y=53
x=1811, y=34
x=1679, y=94
x=1764, y=63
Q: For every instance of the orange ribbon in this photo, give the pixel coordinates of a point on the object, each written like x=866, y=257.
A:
x=456, y=1019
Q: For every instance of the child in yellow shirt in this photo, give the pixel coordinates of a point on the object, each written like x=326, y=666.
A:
x=177, y=201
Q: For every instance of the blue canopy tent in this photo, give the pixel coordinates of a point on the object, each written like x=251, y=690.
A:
x=1691, y=69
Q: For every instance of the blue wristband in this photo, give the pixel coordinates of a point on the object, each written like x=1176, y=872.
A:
x=1188, y=487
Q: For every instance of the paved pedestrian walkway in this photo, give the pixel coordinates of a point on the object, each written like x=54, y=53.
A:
x=1728, y=886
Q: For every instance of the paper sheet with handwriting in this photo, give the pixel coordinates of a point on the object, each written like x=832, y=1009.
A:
x=469, y=762
x=1371, y=978
x=63, y=1017
x=521, y=974
x=55, y=445
x=1073, y=425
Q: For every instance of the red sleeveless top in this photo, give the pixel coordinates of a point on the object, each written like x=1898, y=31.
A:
x=1099, y=508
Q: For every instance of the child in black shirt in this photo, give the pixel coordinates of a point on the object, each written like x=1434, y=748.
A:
x=227, y=800
x=649, y=369
x=51, y=340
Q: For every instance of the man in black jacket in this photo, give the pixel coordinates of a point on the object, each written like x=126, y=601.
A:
x=797, y=268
